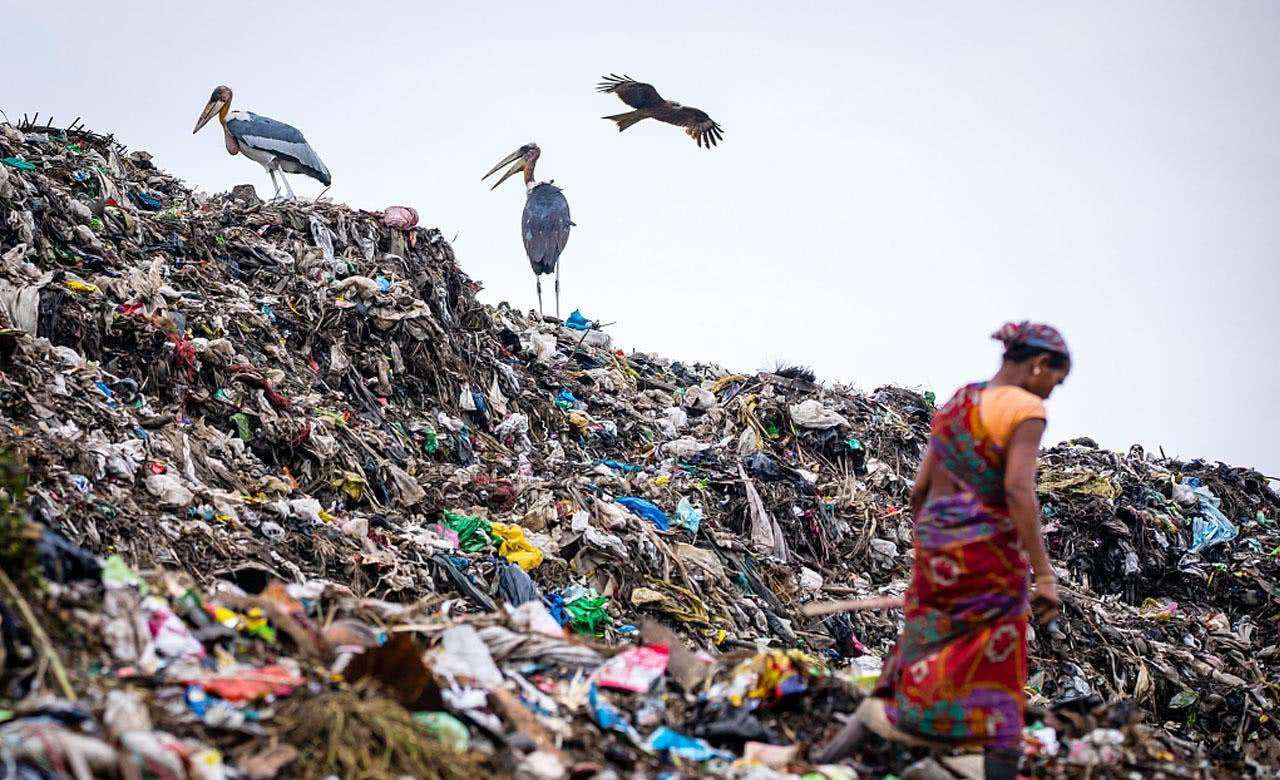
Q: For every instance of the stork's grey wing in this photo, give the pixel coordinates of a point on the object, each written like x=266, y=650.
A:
x=545, y=227
x=283, y=140
x=700, y=127
x=634, y=93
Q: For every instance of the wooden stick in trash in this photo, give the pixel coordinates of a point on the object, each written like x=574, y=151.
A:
x=816, y=608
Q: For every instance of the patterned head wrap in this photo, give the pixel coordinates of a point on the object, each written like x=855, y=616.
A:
x=1032, y=334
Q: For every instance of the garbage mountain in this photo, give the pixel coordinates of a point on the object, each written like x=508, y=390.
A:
x=283, y=499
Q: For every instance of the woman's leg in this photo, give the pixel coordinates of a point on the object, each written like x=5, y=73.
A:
x=1001, y=763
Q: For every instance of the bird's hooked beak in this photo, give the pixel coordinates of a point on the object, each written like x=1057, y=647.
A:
x=209, y=112
x=518, y=164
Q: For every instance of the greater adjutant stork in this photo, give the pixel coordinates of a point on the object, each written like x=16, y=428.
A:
x=278, y=147
x=545, y=224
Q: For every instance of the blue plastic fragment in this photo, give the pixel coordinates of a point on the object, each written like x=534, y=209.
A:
x=668, y=740
x=609, y=717
x=690, y=517
x=617, y=465
x=384, y=284
x=648, y=510
x=1211, y=527
x=148, y=202
x=565, y=399
x=554, y=603
x=577, y=321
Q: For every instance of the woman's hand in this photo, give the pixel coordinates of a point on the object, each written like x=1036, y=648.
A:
x=1044, y=600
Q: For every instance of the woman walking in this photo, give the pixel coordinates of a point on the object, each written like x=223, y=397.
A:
x=957, y=674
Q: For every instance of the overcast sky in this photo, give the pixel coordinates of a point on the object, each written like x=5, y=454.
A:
x=896, y=179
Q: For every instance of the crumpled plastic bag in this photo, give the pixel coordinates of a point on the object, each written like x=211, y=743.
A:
x=464, y=654
x=699, y=398
x=690, y=517
x=170, y=490
x=684, y=447
x=1211, y=527
x=648, y=510
x=813, y=415
x=515, y=547
x=400, y=217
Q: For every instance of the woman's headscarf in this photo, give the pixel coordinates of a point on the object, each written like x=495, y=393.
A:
x=1032, y=334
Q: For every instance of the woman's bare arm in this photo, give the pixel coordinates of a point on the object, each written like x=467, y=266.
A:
x=1020, y=492
x=920, y=490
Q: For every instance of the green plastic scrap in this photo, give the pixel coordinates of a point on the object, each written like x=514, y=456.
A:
x=116, y=573
x=243, y=426
x=473, y=532
x=19, y=163
x=930, y=398
x=853, y=443
x=588, y=614
x=444, y=728
x=433, y=443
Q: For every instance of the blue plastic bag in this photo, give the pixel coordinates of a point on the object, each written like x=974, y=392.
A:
x=648, y=510
x=1211, y=527
x=617, y=465
x=609, y=717
x=577, y=321
x=691, y=748
x=689, y=516
x=565, y=399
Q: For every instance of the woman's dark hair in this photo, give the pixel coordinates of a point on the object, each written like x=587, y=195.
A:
x=1021, y=353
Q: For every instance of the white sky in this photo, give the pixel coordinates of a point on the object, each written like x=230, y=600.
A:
x=896, y=179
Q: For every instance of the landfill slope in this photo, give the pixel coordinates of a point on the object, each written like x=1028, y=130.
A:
x=275, y=480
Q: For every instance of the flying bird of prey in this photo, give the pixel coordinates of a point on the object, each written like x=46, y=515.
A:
x=648, y=103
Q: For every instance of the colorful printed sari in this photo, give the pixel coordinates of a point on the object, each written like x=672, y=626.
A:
x=958, y=670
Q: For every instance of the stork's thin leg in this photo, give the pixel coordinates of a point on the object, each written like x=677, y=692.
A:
x=272, y=173
x=285, y=179
x=557, y=291
x=538, y=280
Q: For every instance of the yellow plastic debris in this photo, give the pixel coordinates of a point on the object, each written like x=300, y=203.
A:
x=515, y=547
x=76, y=285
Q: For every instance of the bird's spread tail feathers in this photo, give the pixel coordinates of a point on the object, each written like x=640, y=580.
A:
x=628, y=119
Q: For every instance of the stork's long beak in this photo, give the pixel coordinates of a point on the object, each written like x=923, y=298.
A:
x=516, y=166
x=209, y=112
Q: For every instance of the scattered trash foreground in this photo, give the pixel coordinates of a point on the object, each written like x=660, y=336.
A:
x=283, y=500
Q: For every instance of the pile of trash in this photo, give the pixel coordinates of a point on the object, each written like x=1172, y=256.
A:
x=283, y=499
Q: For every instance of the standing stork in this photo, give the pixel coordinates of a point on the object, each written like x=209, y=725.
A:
x=278, y=147
x=545, y=224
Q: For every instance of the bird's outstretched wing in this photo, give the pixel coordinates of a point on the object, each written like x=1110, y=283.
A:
x=700, y=127
x=634, y=93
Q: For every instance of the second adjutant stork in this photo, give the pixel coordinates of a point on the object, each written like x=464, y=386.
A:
x=278, y=147
x=545, y=224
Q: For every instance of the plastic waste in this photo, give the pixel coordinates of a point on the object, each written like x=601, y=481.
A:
x=515, y=587
x=1211, y=527
x=446, y=729
x=577, y=321
x=689, y=517
x=648, y=510
x=633, y=670
x=812, y=414
x=463, y=654
x=665, y=740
